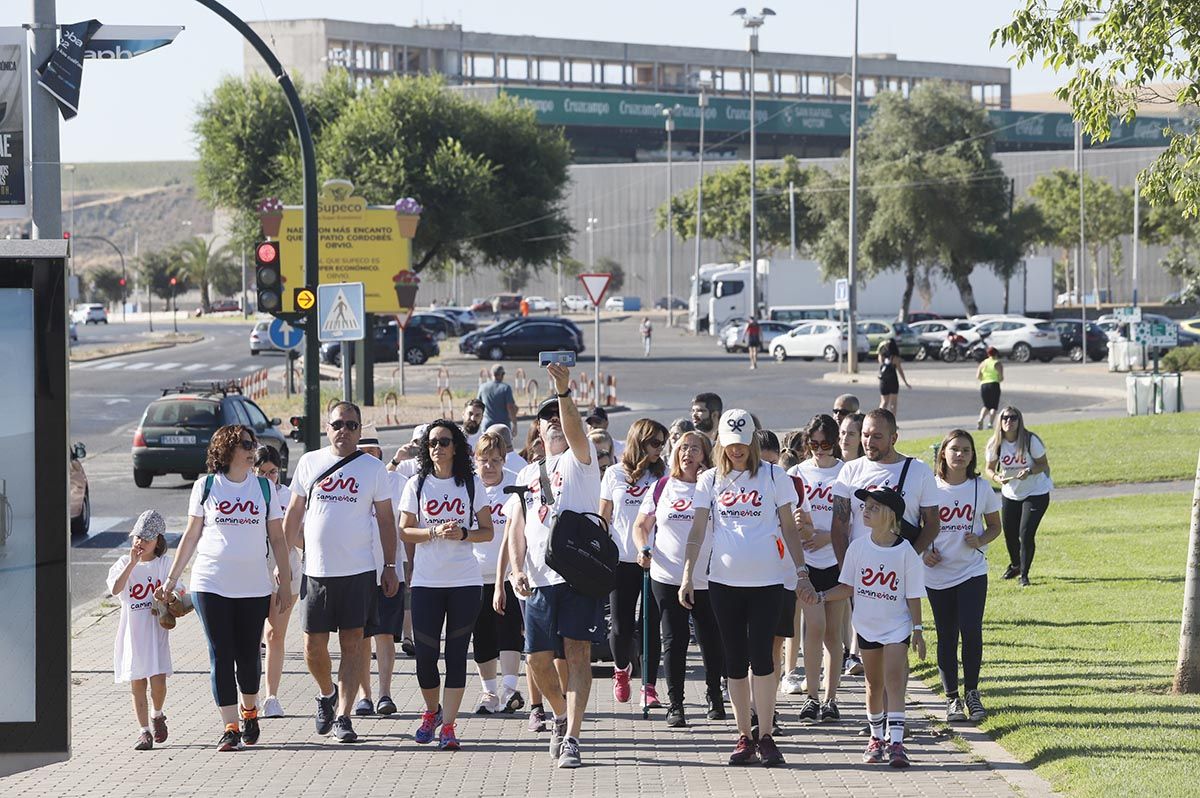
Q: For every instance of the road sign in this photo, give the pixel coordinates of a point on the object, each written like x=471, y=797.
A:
x=595, y=285
x=841, y=294
x=283, y=335
x=305, y=299
x=1128, y=314
x=341, y=315
x=402, y=318
x=1156, y=334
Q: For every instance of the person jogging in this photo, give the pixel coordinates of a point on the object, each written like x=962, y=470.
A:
x=990, y=374
x=891, y=371
x=1016, y=458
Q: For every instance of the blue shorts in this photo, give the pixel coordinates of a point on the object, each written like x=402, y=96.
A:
x=559, y=611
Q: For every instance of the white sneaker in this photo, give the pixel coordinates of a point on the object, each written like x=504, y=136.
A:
x=271, y=708
x=511, y=700
x=792, y=682
x=489, y=704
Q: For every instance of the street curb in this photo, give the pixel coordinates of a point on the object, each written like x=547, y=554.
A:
x=839, y=378
x=153, y=347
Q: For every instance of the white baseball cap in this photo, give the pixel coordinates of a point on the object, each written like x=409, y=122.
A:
x=419, y=431
x=736, y=426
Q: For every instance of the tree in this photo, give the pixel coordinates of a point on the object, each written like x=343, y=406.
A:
x=610, y=266
x=727, y=208
x=104, y=284
x=199, y=261
x=1166, y=226
x=1014, y=236
x=157, y=269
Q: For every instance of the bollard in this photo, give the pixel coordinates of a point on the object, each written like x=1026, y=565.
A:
x=611, y=398
x=443, y=380
x=519, y=380
x=446, y=400
x=531, y=393
x=391, y=408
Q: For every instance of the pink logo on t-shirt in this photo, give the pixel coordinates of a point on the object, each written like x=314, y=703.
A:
x=637, y=490
x=955, y=512
x=1013, y=459
x=340, y=483
x=228, y=507
x=139, y=592
x=679, y=505
x=888, y=579
x=435, y=508
x=729, y=498
x=817, y=491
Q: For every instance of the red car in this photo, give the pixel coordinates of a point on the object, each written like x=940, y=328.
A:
x=509, y=303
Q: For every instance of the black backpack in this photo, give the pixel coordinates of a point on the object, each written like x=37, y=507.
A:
x=580, y=549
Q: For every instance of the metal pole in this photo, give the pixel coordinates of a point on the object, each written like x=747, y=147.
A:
x=558, y=270
x=174, y=310
x=46, y=180
x=670, y=124
x=703, y=102
x=245, y=298
x=1137, y=223
x=401, y=359
x=852, y=265
x=347, y=370
x=71, y=250
x=596, y=357
x=791, y=220
x=1080, y=259
x=753, y=167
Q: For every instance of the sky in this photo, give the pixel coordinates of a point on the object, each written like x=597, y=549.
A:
x=143, y=109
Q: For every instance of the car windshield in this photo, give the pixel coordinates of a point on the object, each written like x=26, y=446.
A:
x=1045, y=326
x=176, y=412
x=901, y=328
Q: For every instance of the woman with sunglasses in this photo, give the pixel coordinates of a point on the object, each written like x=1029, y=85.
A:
x=233, y=521
x=1016, y=458
x=444, y=511
x=622, y=489
x=956, y=570
x=661, y=532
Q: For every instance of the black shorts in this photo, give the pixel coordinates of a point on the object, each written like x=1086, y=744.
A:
x=754, y=342
x=889, y=385
x=340, y=602
x=989, y=392
x=787, y=614
x=559, y=611
x=495, y=633
x=823, y=578
x=867, y=645
x=389, y=614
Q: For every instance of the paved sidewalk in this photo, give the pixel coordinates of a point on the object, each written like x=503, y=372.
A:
x=623, y=754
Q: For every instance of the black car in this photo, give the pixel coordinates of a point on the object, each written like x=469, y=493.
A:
x=676, y=303
x=419, y=346
x=435, y=324
x=173, y=435
x=1068, y=333
x=469, y=344
x=526, y=338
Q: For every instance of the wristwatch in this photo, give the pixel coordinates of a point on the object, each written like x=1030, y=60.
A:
x=393, y=462
x=563, y=395
x=464, y=531
x=389, y=565
x=918, y=628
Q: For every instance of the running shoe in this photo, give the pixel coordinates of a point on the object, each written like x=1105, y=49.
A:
x=769, y=752
x=829, y=711
x=144, y=742
x=159, y=725
x=364, y=707
x=792, y=682
x=1011, y=571
x=675, y=718
x=568, y=756
x=897, y=756
x=343, y=731
x=250, y=730
x=955, y=713
x=511, y=700
x=537, y=719
x=231, y=740
x=650, y=697
x=558, y=733
x=386, y=705
x=776, y=729
x=865, y=730
x=854, y=666
x=326, y=710
x=429, y=722
x=716, y=705
x=1023, y=581
x=745, y=753
x=725, y=689
x=975, y=710
x=272, y=708
x=874, y=753
x=810, y=709
x=406, y=645
x=754, y=726
x=447, y=741
x=620, y=680
x=488, y=704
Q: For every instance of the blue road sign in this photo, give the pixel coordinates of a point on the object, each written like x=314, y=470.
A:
x=341, y=312
x=284, y=335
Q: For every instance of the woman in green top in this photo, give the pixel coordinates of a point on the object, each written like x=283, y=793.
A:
x=990, y=374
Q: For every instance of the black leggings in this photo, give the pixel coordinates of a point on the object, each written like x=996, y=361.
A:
x=433, y=608
x=676, y=636
x=747, y=618
x=958, y=612
x=1020, y=518
x=234, y=628
x=495, y=633
x=622, y=604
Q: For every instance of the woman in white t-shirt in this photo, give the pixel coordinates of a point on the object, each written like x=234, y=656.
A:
x=956, y=570
x=885, y=576
x=234, y=520
x=754, y=531
x=1016, y=459
x=444, y=512
x=666, y=518
x=622, y=489
x=267, y=464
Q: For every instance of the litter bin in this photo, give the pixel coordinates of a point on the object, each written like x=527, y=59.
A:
x=1126, y=356
x=1148, y=393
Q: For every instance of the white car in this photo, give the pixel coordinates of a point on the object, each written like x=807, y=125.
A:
x=1022, y=339
x=615, y=303
x=814, y=339
x=734, y=337
x=539, y=304
x=576, y=303
x=93, y=313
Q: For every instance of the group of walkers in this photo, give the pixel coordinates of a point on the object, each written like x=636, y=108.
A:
x=818, y=546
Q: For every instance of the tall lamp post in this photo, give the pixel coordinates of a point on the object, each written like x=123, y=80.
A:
x=852, y=264
x=702, y=101
x=753, y=22
x=1081, y=259
x=669, y=124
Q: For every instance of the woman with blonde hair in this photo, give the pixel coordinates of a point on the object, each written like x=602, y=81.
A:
x=622, y=489
x=1016, y=458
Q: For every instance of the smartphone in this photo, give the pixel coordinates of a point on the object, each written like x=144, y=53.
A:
x=566, y=358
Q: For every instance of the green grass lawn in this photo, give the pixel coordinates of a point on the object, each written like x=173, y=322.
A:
x=1105, y=450
x=1077, y=669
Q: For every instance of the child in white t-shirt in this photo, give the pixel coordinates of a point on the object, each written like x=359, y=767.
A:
x=885, y=576
x=142, y=651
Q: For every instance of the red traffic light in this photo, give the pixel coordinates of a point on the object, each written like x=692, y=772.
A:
x=172, y=281
x=122, y=282
x=67, y=235
x=267, y=252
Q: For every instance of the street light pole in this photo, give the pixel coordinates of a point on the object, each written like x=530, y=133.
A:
x=669, y=124
x=702, y=101
x=753, y=22
x=852, y=265
x=791, y=220
x=71, y=168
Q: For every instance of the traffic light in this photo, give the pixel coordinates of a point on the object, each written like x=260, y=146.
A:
x=297, y=432
x=122, y=282
x=267, y=277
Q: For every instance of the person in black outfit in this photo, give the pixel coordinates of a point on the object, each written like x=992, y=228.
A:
x=891, y=371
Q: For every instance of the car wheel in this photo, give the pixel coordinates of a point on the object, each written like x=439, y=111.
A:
x=83, y=522
x=830, y=354
x=922, y=354
x=1021, y=352
x=142, y=478
x=253, y=351
x=780, y=353
x=190, y=477
x=1076, y=354
x=415, y=356
x=495, y=353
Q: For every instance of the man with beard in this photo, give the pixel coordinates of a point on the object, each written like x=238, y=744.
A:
x=706, y=409
x=472, y=420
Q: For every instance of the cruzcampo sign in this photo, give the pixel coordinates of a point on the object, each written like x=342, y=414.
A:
x=360, y=243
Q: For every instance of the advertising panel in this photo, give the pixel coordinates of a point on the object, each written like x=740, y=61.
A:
x=14, y=125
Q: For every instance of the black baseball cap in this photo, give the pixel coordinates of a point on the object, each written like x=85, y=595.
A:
x=599, y=414
x=888, y=497
x=547, y=404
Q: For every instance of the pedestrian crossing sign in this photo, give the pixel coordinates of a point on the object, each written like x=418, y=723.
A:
x=341, y=312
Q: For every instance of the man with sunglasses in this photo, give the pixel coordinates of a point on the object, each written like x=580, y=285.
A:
x=557, y=617
x=844, y=405
x=334, y=491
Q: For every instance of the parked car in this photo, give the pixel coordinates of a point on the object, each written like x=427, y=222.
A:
x=435, y=324
x=734, y=338
x=509, y=303
x=623, y=303
x=224, y=306
x=173, y=434
x=92, y=313
x=464, y=319
x=419, y=345
x=73, y=331
x=922, y=315
x=526, y=338
x=813, y=339
x=576, y=303
x=676, y=303
x=879, y=330
x=1068, y=333
x=932, y=334
x=80, y=494
x=539, y=304
x=1022, y=339
x=260, y=340
x=1191, y=325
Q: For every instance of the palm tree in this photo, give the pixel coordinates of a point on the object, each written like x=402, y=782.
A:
x=200, y=261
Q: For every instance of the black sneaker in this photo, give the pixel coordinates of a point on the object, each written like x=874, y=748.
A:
x=1011, y=571
x=1024, y=581
x=810, y=709
x=250, y=729
x=326, y=710
x=386, y=705
x=975, y=710
x=829, y=711
x=406, y=645
x=768, y=752
x=230, y=741
x=776, y=729
x=716, y=705
x=343, y=731
x=754, y=727
x=675, y=718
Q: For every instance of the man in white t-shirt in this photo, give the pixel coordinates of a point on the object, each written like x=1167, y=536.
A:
x=557, y=615
x=330, y=516
x=882, y=467
x=472, y=421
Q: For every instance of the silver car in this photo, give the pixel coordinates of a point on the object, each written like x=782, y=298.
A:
x=260, y=341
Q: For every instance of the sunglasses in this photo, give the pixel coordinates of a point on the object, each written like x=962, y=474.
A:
x=1009, y=418
x=657, y=443
x=824, y=446
x=444, y=442
x=840, y=411
x=249, y=444
x=338, y=424
x=603, y=453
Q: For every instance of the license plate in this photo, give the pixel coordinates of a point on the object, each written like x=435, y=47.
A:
x=178, y=440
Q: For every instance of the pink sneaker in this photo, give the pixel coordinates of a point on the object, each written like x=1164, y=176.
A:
x=621, y=685
x=874, y=753
x=650, y=696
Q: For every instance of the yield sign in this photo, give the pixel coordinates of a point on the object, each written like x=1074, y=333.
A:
x=595, y=285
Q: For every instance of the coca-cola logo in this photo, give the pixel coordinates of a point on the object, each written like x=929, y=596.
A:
x=141, y=591
x=349, y=484
x=729, y=498
x=638, y=490
x=445, y=505
x=229, y=508
x=947, y=514
x=882, y=578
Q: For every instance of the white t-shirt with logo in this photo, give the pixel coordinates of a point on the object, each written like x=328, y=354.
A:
x=961, y=510
x=231, y=557
x=440, y=562
x=142, y=648
x=920, y=489
x=514, y=463
x=1014, y=460
x=340, y=530
x=283, y=495
x=883, y=580
x=627, y=501
x=488, y=554
x=748, y=547
x=672, y=524
x=398, y=483
x=576, y=487
x=406, y=469
x=818, y=490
